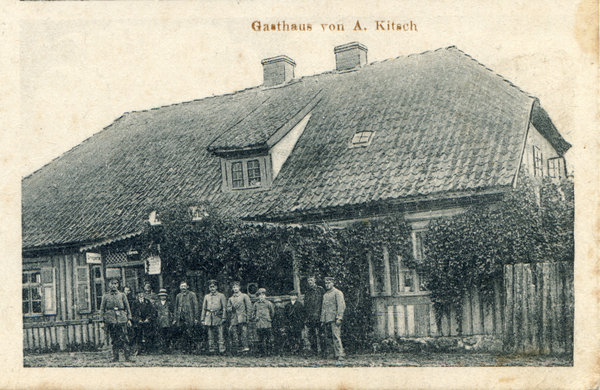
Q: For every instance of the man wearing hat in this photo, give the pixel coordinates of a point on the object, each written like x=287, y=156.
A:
x=263, y=313
x=332, y=314
x=186, y=315
x=116, y=313
x=163, y=320
x=239, y=307
x=213, y=316
x=295, y=315
x=143, y=314
x=313, y=302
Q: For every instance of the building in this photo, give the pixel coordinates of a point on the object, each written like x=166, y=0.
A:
x=422, y=135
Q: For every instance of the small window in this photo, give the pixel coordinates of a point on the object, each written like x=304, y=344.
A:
x=362, y=138
x=555, y=167
x=32, y=293
x=253, y=173
x=538, y=169
x=417, y=240
x=237, y=175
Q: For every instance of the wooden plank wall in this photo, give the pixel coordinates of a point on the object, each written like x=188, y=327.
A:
x=395, y=316
x=539, y=308
x=68, y=326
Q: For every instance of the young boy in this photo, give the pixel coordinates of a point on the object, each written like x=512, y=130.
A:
x=263, y=313
x=163, y=321
x=295, y=316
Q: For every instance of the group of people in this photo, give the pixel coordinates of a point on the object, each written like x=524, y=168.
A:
x=148, y=322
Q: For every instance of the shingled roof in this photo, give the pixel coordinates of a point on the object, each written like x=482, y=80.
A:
x=444, y=126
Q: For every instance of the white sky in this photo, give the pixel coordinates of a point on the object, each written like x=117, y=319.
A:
x=77, y=75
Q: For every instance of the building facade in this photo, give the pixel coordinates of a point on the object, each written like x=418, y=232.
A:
x=422, y=136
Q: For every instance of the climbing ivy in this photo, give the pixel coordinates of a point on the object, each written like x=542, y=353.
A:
x=532, y=223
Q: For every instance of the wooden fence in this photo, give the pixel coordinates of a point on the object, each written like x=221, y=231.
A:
x=44, y=336
x=539, y=308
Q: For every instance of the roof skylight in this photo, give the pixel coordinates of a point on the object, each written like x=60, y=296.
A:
x=362, y=138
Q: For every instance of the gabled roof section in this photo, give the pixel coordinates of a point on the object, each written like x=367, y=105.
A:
x=445, y=126
x=271, y=120
x=543, y=124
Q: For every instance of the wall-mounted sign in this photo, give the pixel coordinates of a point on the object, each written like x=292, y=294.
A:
x=153, y=265
x=93, y=258
x=113, y=273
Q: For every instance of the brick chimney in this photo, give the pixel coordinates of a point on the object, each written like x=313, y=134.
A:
x=277, y=70
x=350, y=55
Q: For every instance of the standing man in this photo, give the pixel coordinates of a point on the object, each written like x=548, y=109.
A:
x=117, y=316
x=263, y=313
x=213, y=316
x=143, y=313
x=186, y=315
x=295, y=315
x=313, y=302
x=332, y=314
x=239, y=308
x=163, y=321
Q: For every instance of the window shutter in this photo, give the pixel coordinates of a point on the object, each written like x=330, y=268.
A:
x=49, y=288
x=82, y=278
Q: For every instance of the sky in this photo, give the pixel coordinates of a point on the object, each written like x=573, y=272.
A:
x=79, y=73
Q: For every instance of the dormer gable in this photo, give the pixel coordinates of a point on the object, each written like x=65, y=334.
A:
x=253, y=151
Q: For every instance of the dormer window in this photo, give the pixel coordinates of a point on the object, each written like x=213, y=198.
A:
x=237, y=175
x=253, y=173
x=362, y=138
x=247, y=173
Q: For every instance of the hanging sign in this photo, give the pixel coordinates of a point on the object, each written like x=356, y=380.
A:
x=93, y=258
x=153, y=265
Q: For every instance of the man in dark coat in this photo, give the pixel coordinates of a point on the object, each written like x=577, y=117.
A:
x=279, y=327
x=116, y=313
x=130, y=330
x=164, y=316
x=186, y=316
x=313, y=301
x=295, y=317
x=144, y=315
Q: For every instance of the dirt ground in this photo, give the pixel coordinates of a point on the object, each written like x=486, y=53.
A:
x=176, y=359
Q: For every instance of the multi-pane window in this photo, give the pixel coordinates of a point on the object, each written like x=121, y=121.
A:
x=32, y=293
x=362, y=138
x=237, y=175
x=555, y=167
x=538, y=162
x=39, y=292
x=253, y=173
